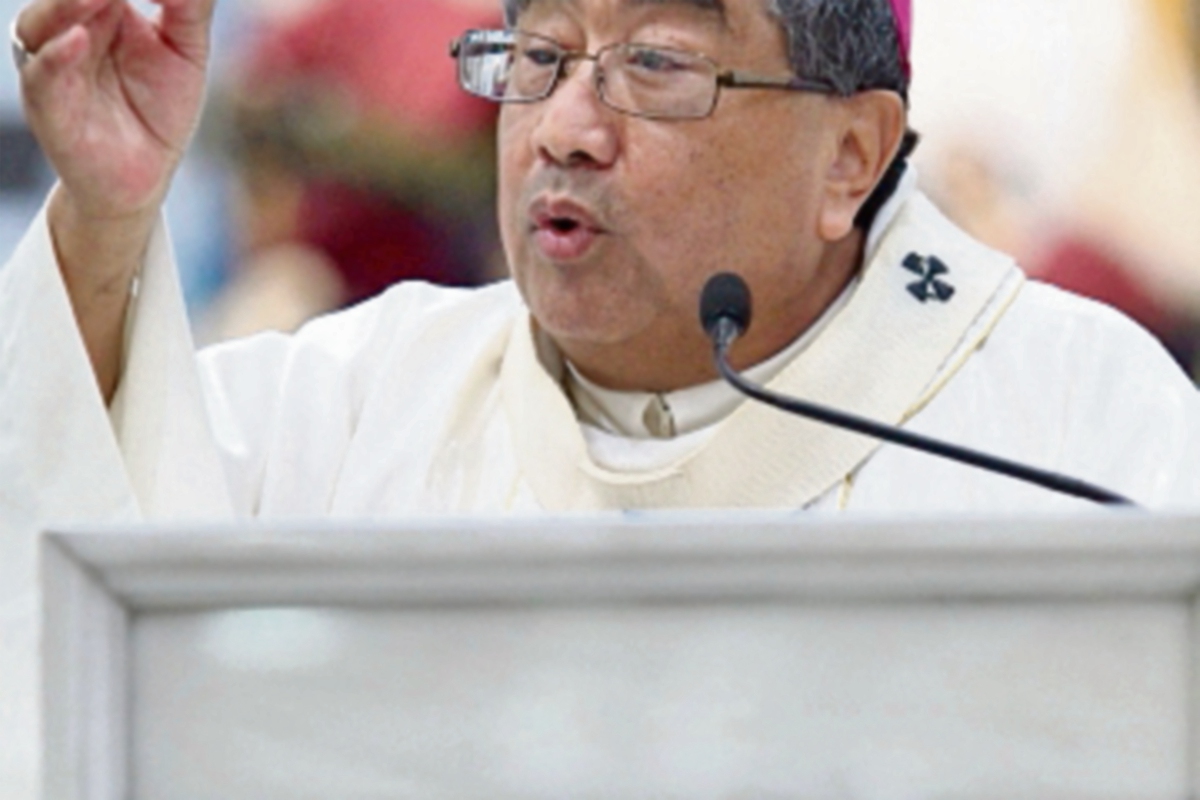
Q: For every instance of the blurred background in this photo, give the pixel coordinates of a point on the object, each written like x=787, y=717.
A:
x=337, y=155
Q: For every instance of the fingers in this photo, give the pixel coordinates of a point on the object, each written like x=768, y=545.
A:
x=51, y=88
x=185, y=24
x=55, y=82
x=44, y=20
x=81, y=44
x=59, y=54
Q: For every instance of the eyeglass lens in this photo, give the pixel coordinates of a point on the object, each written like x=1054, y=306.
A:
x=512, y=66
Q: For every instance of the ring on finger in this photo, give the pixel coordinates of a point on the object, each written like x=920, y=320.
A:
x=20, y=52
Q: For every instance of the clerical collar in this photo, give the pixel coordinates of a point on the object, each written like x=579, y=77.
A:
x=652, y=415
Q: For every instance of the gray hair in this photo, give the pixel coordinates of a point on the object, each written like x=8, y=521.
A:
x=851, y=44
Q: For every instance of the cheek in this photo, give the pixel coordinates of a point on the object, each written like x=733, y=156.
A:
x=513, y=163
x=699, y=210
x=675, y=192
x=764, y=194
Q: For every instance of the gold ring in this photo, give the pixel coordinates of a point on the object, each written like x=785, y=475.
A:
x=20, y=52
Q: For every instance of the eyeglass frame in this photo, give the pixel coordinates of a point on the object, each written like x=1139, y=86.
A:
x=722, y=78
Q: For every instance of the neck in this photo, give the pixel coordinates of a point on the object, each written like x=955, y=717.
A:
x=676, y=357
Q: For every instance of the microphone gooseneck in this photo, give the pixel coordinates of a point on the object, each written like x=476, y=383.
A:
x=725, y=315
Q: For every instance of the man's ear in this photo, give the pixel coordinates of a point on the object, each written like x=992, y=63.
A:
x=870, y=129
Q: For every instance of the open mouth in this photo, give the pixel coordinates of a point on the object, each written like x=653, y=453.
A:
x=563, y=224
x=563, y=230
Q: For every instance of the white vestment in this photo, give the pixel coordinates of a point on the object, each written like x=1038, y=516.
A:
x=430, y=400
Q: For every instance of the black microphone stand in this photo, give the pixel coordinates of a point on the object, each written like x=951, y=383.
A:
x=727, y=330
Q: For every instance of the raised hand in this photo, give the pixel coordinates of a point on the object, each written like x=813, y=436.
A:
x=113, y=97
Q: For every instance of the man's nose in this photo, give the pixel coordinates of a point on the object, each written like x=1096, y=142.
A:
x=576, y=129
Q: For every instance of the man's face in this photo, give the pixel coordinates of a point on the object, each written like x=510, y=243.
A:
x=613, y=223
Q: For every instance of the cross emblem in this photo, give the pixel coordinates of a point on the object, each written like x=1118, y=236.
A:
x=931, y=286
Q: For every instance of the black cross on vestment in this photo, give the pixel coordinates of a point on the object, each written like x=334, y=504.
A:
x=931, y=286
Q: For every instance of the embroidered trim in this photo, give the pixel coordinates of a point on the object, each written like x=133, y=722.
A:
x=960, y=359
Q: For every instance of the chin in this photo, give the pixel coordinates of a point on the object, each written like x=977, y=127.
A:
x=582, y=322
x=598, y=303
x=580, y=329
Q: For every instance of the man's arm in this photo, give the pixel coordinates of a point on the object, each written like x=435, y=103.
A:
x=113, y=99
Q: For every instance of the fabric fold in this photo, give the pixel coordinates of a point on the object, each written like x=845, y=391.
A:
x=59, y=458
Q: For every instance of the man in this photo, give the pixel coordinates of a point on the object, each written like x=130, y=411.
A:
x=644, y=146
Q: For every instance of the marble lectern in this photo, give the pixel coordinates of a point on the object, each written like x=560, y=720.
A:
x=626, y=656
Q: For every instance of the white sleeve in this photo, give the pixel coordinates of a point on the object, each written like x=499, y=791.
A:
x=258, y=426
x=59, y=459
x=206, y=436
x=158, y=414
x=72, y=460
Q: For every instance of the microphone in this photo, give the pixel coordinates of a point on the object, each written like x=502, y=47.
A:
x=725, y=315
x=725, y=308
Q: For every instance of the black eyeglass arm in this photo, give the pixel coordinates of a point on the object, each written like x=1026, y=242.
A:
x=732, y=79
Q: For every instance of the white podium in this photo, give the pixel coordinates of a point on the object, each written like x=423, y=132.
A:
x=649, y=656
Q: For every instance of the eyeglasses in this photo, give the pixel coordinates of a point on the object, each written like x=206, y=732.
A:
x=512, y=66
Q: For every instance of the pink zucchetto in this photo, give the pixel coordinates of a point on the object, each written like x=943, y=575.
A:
x=902, y=10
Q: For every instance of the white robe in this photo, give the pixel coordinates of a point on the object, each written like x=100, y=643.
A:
x=430, y=400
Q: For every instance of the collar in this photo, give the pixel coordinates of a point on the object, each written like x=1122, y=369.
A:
x=655, y=415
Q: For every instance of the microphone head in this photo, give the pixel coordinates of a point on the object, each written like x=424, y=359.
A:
x=725, y=296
